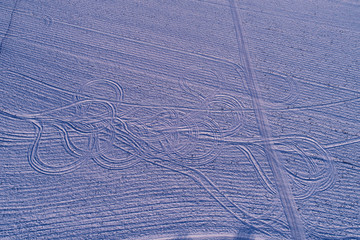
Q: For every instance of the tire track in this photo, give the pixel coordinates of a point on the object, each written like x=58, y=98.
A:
x=282, y=183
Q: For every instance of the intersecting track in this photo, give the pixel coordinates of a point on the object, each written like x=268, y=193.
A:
x=158, y=141
x=143, y=150
x=177, y=138
x=282, y=183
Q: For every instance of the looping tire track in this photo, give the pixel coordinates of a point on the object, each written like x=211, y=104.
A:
x=99, y=154
x=174, y=126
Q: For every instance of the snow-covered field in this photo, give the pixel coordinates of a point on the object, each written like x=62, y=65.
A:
x=182, y=119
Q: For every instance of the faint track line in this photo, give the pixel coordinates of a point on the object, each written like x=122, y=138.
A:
x=9, y=25
x=278, y=79
x=343, y=143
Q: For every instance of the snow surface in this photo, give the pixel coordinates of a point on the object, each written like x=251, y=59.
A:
x=182, y=119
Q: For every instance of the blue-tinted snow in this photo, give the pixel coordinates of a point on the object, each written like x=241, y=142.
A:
x=189, y=119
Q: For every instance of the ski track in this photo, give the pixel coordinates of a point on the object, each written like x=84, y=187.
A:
x=166, y=141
